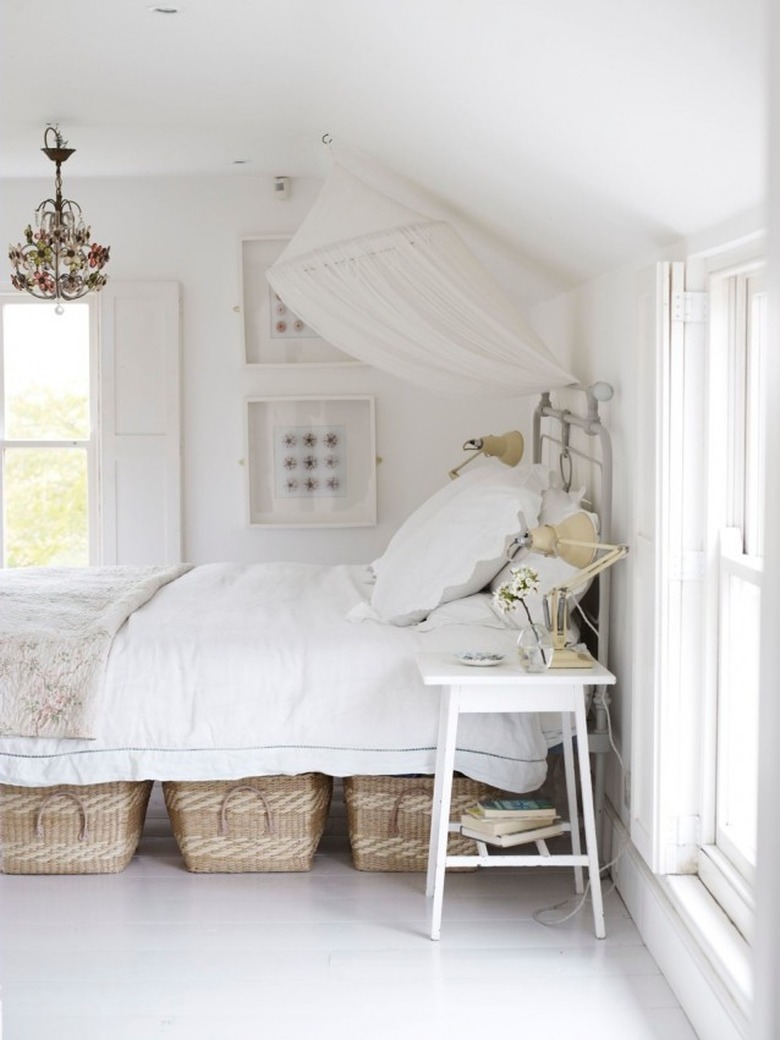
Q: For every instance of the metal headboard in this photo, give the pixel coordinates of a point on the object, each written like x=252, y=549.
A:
x=583, y=440
x=580, y=447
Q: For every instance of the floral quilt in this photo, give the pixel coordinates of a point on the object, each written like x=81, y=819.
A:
x=56, y=629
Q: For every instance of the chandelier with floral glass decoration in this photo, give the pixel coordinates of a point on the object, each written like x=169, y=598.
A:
x=57, y=261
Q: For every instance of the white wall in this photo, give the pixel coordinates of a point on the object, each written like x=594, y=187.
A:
x=597, y=323
x=189, y=230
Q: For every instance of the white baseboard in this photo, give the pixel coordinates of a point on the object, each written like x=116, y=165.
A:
x=715, y=1008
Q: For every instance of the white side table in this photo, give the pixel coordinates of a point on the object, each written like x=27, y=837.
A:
x=507, y=688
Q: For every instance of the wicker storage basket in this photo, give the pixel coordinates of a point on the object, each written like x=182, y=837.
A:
x=389, y=819
x=261, y=823
x=71, y=829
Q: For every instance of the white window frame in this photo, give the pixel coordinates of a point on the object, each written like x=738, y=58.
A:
x=729, y=879
x=675, y=613
x=135, y=502
x=91, y=445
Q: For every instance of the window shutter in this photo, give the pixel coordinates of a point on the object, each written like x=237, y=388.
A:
x=140, y=494
x=668, y=576
x=654, y=301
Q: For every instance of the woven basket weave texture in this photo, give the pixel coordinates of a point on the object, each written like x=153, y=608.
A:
x=389, y=819
x=259, y=824
x=71, y=828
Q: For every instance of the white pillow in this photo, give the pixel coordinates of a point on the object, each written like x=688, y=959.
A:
x=455, y=542
x=470, y=610
x=490, y=471
x=558, y=504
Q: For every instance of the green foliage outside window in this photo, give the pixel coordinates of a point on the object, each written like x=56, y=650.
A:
x=46, y=500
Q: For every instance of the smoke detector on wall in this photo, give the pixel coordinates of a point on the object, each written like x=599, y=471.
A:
x=281, y=187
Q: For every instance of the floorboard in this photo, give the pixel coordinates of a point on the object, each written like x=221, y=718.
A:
x=157, y=953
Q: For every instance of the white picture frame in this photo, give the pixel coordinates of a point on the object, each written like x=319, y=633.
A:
x=272, y=333
x=311, y=461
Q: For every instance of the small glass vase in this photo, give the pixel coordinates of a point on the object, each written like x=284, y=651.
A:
x=534, y=648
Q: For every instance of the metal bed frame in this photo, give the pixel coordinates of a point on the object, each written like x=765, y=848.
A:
x=582, y=442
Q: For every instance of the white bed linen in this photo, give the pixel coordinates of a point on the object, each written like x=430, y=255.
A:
x=238, y=670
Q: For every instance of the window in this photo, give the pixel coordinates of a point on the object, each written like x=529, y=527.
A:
x=692, y=786
x=736, y=508
x=89, y=428
x=47, y=434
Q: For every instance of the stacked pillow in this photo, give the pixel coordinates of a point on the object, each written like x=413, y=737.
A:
x=456, y=542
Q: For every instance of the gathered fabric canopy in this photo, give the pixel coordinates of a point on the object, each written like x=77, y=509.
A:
x=401, y=291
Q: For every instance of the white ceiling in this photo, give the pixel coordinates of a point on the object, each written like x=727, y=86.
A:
x=584, y=132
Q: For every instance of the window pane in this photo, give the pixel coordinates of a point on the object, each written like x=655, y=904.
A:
x=755, y=395
x=46, y=518
x=737, y=770
x=46, y=369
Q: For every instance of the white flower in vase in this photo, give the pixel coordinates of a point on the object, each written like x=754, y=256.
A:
x=533, y=644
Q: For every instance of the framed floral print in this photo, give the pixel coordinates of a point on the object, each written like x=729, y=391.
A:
x=311, y=461
x=274, y=334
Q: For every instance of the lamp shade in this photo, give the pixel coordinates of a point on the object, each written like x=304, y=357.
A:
x=573, y=540
x=508, y=448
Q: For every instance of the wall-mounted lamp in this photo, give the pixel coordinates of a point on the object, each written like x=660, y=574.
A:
x=508, y=448
x=574, y=541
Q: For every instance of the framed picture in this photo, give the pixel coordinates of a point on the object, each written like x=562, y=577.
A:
x=311, y=461
x=273, y=334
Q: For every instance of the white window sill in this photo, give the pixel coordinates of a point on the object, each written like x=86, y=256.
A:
x=725, y=948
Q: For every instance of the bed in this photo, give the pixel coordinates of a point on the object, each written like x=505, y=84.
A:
x=228, y=671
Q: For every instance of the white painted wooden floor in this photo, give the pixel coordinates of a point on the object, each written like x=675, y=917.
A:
x=156, y=953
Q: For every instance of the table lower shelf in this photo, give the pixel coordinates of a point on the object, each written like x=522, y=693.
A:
x=529, y=860
x=501, y=857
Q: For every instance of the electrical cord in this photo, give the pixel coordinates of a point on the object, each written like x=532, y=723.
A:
x=586, y=618
x=581, y=900
x=538, y=915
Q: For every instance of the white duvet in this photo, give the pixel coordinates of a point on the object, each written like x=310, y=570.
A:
x=239, y=670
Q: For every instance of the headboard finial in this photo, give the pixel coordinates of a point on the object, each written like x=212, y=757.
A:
x=595, y=393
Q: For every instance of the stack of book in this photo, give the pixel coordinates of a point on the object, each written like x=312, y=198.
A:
x=511, y=821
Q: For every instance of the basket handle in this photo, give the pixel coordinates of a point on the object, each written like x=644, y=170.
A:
x=393, y=828
x=222, y=830
x=83, y=832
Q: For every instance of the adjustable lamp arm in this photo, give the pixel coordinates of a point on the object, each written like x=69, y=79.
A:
x=474, y=446
x=615, y=553
x=557, y=605
x=571, y=540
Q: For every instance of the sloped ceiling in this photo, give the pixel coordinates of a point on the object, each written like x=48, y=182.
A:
x=582, y=132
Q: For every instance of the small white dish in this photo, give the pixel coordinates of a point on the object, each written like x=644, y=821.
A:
x=479, y=658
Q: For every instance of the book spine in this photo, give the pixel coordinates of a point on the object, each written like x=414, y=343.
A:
x=522, y=805
x=520, y=838
x=506, y=814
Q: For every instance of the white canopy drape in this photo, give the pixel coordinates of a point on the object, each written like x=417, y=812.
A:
x=401, y=291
